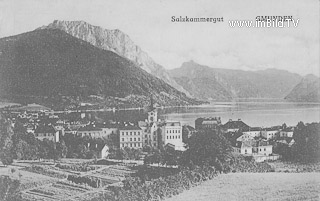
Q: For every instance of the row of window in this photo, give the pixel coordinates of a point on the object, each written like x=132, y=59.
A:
x=173, y=137
x=134, y=139
x=173, y=131
x=132, y=145
x=134, y=133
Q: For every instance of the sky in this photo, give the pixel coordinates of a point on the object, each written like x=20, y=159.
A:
x=148, y=23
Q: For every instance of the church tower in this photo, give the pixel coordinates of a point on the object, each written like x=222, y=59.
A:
x=152, y=113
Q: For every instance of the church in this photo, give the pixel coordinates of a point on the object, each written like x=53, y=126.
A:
x=158, y=133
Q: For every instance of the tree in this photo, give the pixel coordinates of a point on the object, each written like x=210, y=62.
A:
x=9, y=189
x=307, y=142
x=207, y=147
x=6, y=132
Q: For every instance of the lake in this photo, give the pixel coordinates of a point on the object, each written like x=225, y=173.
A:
x=254, y=113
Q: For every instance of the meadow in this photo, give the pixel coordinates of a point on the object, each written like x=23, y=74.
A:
x=255, y=186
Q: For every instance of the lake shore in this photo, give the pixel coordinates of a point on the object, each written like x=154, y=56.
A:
x=255, y=186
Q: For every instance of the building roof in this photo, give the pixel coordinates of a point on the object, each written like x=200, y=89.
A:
x=45, y=129
x=129, y=127
x=89, y=128
x=235, y=124
x=176, y=123
x=252, y=129
x=96, y=146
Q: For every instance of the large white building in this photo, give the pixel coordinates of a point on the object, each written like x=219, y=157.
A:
x=130, y=136
x=172, y=134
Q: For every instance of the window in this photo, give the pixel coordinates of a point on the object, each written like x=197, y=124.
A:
x=264, y=149
x=130, y=133
x=134, y=133
x=126, y=133
x=245, y=151
x=134, y=139
x=167, y=137
x=139, y=139
x=146, y=136
x=130, y=139
x=260, y=149
x=122, y=139
x=122, y=133
x=130, y=145
x=179, y=136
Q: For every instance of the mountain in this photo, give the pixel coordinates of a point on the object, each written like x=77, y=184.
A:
x=226, y=84
x=308, y=90
x=116, y=41
x=50, y=62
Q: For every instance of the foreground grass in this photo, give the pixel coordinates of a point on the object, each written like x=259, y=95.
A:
x=256, y=186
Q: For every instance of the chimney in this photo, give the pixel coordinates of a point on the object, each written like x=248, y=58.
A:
x=230, y=120
x=239, y=119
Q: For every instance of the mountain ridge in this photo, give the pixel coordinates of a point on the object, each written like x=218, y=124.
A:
x=269, y=83
x=308, y=90
x=116, y=41
x=50, y=62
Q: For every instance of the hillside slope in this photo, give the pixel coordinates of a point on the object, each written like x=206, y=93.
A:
x=116, y=41
x=308, y=90
x=226, y=84
x=50, y=62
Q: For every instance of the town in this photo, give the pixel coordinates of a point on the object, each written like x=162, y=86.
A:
x=153, y=132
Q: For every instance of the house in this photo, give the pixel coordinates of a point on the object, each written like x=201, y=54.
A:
x=245, y=137
x=46, y=132
x=246, y=147
x=90, y=130
x=263, y=148
x=101, y=149
x=270, y=133
x=253, y=131
x=130, y=136
x=172, y=133
x=253, y=147
x=235, y=126
x=286, y=132
x=212, y=123
x=107, y=129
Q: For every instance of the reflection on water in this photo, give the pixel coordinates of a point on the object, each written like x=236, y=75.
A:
x=253, y=113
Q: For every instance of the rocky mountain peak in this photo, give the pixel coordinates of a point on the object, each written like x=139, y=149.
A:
x=116, y=41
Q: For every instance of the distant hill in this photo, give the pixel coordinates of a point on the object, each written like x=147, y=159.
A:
x=226, y=84
x=50, y=62
x=308, y=90
x=116, y=41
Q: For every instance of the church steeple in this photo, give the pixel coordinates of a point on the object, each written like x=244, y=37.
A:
x=152, y=113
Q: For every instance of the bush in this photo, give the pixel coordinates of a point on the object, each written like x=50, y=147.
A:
x=45, y=171
x=84, y=167
x=163, y=187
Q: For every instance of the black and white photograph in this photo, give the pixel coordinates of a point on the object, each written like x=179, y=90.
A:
x=159, y=100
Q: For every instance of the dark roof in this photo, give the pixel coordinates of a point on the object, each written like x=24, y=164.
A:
x=129, y=127
x=106, y=125
x=172, y=123
x=235, y=125
x=89, y=128
x=252, y=129
x=45, y=129
x=96, y=146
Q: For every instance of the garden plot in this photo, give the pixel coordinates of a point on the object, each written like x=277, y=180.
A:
x=55, y=191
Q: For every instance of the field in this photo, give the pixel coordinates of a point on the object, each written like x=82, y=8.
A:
x=46, y=181
x=256, y=186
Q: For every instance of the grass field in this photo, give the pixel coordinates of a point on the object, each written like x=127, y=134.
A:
x=256, y=186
